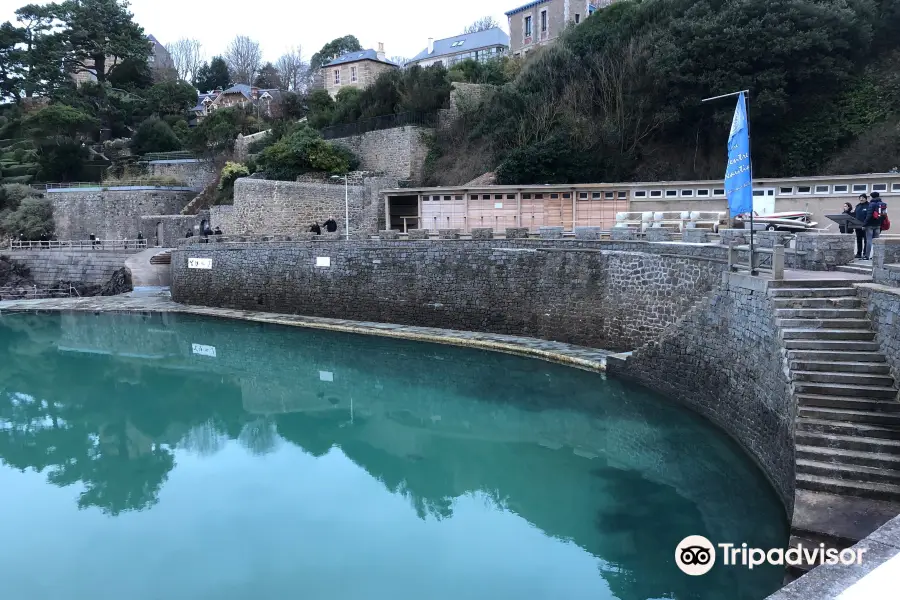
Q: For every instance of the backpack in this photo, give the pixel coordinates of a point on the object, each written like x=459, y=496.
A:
x=886, y=223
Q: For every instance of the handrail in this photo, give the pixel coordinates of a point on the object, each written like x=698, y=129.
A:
x=422, y=119
x=150, y=182
x=77, y=244
x=175, y=155
x=11, y=292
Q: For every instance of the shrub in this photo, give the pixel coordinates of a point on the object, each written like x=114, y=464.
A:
x=61, y=160
x=12, y=194
x=155, y=135
x=303, y=151
x=230, y=173
x=33, y=219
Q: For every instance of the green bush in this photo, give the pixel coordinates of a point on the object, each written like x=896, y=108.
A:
x=12, y=194
x=61, y=160
x=303, y=151
x=33, y=219
x=230, y=173
x=155, y=135
x=217, y=132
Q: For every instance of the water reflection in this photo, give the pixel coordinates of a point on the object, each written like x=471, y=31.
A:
x=113, y=404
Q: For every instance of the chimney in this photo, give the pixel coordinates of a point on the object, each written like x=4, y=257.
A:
x=380, y=50
x=430, y=45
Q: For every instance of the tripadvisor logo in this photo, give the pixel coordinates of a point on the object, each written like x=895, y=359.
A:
x=696, y=555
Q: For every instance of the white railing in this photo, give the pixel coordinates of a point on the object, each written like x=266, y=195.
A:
x=78, y=245
x=36, y=293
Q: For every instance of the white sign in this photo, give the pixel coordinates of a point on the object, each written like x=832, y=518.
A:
x=199, y=263
x=204, y=350
x=326, y=376
x=498, y=205
x=323, y=261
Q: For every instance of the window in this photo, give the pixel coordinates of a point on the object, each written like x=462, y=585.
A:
x=526, y=196
x=785, y=191
x=457, y=197
x=879, y=187
x=527, y=26
x=703, y=192
x=623, y=195
x=759, y=192
x=567, y=196
x=498, y=196
x=840, y=189
x=554, y=196
x=485, y=196
x=895, y=187
x=860, y=187
x=595, y=195
x=718, y=192
x=447, y=198
x=687, y=192
x=543, y=21
x=353, y=74
x=671, y=193
x=804, y=189
x=822, y=189
x=538, y=196
x=609, y=195
x=435, y=198
x=510, y=196
x=457, y=43
x=656, y=193
x=582, y=196
x=473, y=196
x=640, y=194
x=337, y=77
x=577, y=18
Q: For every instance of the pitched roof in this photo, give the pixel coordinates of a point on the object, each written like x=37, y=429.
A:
x=466, y=42
x=356, y=56
x=525, y=7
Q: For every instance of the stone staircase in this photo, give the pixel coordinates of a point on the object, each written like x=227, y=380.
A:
x=848, y=423
x=859, y=267
x=163, y=258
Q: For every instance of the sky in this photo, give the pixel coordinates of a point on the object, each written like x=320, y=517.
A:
x=404, y=26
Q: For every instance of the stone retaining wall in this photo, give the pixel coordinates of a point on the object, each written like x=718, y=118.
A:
x=882, y=302
x=89, y=267
x=725, y=360
x=558, y=290
x=169, y=230
x=399, y=152
x=111, y=215
x=194, y=173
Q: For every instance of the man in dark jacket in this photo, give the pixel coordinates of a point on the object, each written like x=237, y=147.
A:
x=874, y=216
x=331, y=225
x=859, y=213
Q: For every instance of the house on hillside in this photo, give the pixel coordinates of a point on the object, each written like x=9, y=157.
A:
x=159, y=60
x=355, y=69
x=267, y=102
x=540, y=22
x=480, y=46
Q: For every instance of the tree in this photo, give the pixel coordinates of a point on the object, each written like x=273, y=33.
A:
x=321, y=109
x=30, y=55
x=12, y=65
x=59, y=121
x=332, y=50
x=155, y=135
x=293, y=70
x=97, y=31
x=131, y=75
x=399, y=60
x=187, y=55
x=268, y=78
x=170, y=98
x=33, y=220
x=302, y=151
x=213, y=76
x=482, y=24
x=243, y=57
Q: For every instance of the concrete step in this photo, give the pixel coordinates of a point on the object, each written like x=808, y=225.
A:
x=823, y=323
x=871, y=417
x=849, y=457
x=872, y=368
x=848, y=472
x=874, y=392
x=876, y=491
x=817, y=283
x=832, y=345
x=847, y=442
x=836, y=356
x=850, y=301
x=867, y=379
x=819, y=292
x=848, y=403
x=820, y=313
x=862, y=335
x=864, y=430
x=855, y=269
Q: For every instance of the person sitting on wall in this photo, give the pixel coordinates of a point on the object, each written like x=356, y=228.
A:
x=330, y=225
x=217, y=231
x=315, y=229
x=189, y=234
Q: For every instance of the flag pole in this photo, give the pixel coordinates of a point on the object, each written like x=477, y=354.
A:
x=746, y=93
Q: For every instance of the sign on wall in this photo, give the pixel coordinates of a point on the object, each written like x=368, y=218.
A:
x=199, y=263
x=323, y=261
x=326, y=376
x=204, y=350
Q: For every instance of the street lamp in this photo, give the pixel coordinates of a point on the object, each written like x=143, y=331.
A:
x=346, y=205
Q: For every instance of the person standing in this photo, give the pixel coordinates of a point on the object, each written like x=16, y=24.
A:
x=848, y=210
x=330, y=225
x=859, y=213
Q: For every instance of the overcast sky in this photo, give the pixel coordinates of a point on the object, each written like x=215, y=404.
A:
x=403, y=25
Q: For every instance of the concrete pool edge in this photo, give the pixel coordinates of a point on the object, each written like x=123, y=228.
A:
x=590, y=359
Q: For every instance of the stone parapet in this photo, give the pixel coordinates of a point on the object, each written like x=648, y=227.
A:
x=694, y=235
x=886, y=252
x=417, y=234
x=658, y=234
x=551, y=233
x=389, y=234
x=588, y=233
x=448, y=234
x=618, y=234
x=516, y=233
x=482, y=233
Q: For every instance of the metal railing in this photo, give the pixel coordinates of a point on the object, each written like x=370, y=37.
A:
x=78, y=245
x=106, y=185
x=766, y=260
x=176, y=155
x=35, y=293
x=421, y=119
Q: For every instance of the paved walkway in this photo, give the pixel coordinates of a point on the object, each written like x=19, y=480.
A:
x=159, y=300
x=143, y=274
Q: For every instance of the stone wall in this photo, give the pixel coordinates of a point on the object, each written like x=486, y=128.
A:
x=242, y=144
x=882, y=302
x=111, y=215
x=725, y=360
x=168, y=230
x=89, y=267
x=885, y=253
x=284, y=207
x=193, y=173
x=222, y=217
x=399, y=152
x=558, y=290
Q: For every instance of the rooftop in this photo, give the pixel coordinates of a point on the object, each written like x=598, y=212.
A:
x=357, y=56
x=525, y=7
x=467, y=41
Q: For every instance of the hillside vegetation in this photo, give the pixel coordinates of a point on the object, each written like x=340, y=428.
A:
x=619, y=97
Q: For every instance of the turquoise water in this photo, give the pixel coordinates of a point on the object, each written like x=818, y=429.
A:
x=161, y=457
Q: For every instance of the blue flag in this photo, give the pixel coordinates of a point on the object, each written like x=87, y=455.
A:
x=738, y=184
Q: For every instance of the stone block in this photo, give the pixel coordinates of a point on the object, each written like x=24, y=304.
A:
x=482, y=233
x=620, y=234
x=738, y=236
x=658, y=234
x=418, y=234
x=551, y=233
x=389, y=234
x=769, y=239
x=516, y=233
x=306, y=236
x=694, y=235
x=588, y=233
x=448, y=234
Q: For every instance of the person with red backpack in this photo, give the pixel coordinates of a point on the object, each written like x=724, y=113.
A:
x=876, y=219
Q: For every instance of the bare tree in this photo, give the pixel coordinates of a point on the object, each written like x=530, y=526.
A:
x=293, y=70
x=187, y=56
x=244, y=58
x=482, y=24
x=399, y=60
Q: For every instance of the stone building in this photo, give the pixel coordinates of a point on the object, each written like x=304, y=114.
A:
x=355, y=69
x=159, y=60
x=267, y=101
x=540, y=22
x=480, y=46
